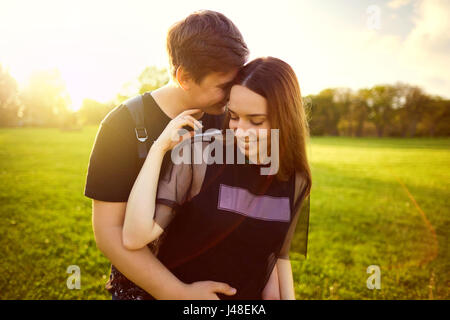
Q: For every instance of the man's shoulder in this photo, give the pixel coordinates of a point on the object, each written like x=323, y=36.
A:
x=119, y=116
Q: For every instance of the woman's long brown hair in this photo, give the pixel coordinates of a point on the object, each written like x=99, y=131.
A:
x=275, y=80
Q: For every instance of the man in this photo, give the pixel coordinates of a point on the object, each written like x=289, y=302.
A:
x=205, y=51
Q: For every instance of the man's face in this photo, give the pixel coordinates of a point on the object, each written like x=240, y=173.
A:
x=212, y=93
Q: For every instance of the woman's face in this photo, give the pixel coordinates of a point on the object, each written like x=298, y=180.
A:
x=249, y=120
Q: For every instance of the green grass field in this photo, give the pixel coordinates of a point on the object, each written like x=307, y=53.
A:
x=374, y=201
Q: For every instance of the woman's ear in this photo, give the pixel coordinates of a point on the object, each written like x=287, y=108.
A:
x=183, y=79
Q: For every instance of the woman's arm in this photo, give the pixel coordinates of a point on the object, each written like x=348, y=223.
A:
x=286, y=280
x=272, y=289
x=140, y=212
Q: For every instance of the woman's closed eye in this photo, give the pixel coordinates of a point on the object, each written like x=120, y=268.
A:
x=256, y=123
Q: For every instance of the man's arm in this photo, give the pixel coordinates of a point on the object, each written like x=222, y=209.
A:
x=139, y=266
x=286, y=280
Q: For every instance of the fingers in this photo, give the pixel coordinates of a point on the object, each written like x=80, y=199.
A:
x=190, y=121
x=187, y=135
x=195, y=121
x=189, y=114
x=224, y=288
x=182, y=132
x=177, y=132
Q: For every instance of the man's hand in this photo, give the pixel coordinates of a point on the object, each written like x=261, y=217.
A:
x=206, y=290
x=139, y=266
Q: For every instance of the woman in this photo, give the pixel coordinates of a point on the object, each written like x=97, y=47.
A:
x=227, y=222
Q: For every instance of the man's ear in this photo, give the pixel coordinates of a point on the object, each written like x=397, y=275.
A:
x=183, y=78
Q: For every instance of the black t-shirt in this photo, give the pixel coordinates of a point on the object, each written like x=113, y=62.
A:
x=114, y=164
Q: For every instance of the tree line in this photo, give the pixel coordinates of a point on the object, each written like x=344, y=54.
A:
x=387, y=110
x=399, y=110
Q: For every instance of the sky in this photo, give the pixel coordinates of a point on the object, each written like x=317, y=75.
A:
x=100, y=46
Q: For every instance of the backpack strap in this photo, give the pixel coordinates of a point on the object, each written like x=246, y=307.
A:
x=135, y=106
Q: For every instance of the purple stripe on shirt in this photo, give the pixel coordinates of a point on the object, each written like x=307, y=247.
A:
x=265, y=207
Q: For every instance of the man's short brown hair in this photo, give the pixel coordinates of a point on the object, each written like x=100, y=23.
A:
x=206, y=41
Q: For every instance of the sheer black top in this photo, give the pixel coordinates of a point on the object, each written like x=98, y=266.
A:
x=230, y=223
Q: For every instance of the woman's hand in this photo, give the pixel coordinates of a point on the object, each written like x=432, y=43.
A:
x=206, y=290
x=170, y=137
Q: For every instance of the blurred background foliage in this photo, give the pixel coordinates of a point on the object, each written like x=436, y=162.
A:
x=384, y=110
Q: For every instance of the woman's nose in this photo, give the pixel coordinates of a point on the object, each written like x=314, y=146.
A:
x=243, y=125
x=249, y=134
